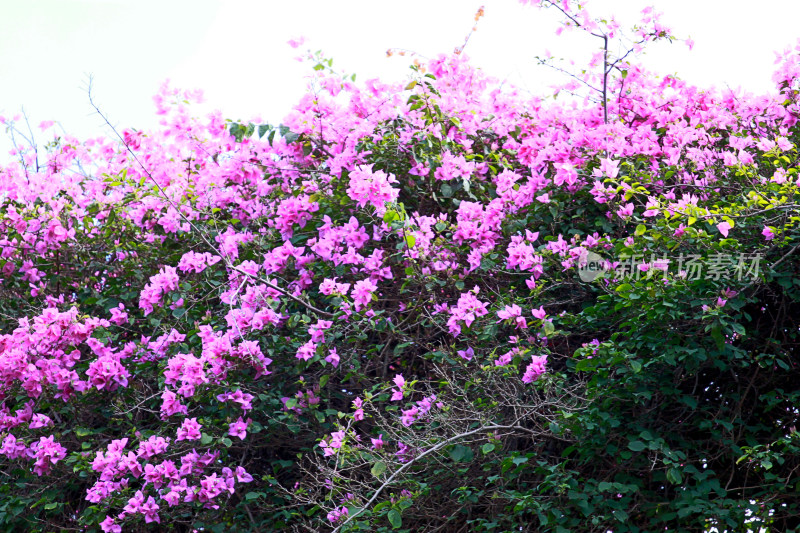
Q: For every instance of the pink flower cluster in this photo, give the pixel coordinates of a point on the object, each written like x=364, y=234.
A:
x=512, y=313
x=160, y=284
x=466, y=311
x=419, y=411
x=535, y=369
x=46, y=453
x=195, y=262
x=162, y=482
x=333, y=444
x=274, y=199
x=369, y=187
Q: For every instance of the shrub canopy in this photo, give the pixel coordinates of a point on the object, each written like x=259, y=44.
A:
x=440, y=306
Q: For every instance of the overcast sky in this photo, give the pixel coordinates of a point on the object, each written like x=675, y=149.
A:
x=236, y=51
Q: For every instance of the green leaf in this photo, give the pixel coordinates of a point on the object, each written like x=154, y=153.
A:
x=461, y=454
x=640, y=229
x=378, y=469
x=636, y=445
x=324, y=380
x=252, y=495
x=487, y=448
x=51, y=505
x=674, y=476
x=716, y=334
x=584, y=365
x=395, y=519
x=691, y=401
x=411, y=240
x=205, y=439
x=548, y=327
x=390, y=216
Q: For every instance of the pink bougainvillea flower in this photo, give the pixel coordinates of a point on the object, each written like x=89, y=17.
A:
x=189, y=430
x=295, y=43
x=535, y=369
x=118, y=315
x=466, y=354
x=239, y=428
x=397, y=393
x=625, y=211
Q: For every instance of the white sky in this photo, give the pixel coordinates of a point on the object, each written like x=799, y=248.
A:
x=236, y=51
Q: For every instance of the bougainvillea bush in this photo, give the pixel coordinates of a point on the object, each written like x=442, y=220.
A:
x=441, y=305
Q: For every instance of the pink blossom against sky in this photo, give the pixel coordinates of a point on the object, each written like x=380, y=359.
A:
x=237, y=51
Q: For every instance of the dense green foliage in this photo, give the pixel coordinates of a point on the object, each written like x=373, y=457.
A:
x=378, y=316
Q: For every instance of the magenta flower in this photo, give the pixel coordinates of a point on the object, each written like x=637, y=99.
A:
x=118, y=315
x=46, y=452
x=625, y=211
x=109, y=525
x=242, y=476
x=535, y=369
x=609, y=168
x=338, y=514
x=362, y=293
x=189, y=430
x=306, y=351
x=466, y=354
x=509, y=312
x=333, y=358
x=40, y=421
x=397, y=394
x=373, y=188
x=239, y=428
